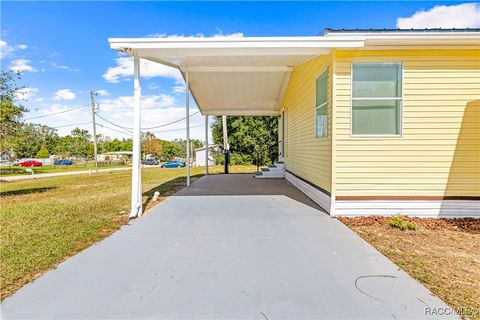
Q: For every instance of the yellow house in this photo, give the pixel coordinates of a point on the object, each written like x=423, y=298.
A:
x=371, y=121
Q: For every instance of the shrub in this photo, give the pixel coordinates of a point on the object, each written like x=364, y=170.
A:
x=412, y=226
x=240, y=159
x=396, y=222
x=235, y=158
x=42, y=153
x=399, y=223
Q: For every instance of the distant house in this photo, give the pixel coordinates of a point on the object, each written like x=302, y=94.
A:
x=6, y=156
x=200, y=156
x=115, y=156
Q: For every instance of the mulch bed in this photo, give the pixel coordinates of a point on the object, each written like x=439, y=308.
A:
x=469, y=225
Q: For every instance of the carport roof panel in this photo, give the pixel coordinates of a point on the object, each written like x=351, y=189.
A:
x=234, y=76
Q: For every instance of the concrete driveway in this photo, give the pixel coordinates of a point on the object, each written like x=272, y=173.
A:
x=216, y=251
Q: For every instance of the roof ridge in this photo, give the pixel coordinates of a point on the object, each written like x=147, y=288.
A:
x=367, y=30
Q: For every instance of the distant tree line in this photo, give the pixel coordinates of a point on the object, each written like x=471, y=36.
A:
x=23, y=140
x=252, y=140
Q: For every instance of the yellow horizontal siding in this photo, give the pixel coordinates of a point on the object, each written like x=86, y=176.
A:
x=438, y=153
x=305, y=155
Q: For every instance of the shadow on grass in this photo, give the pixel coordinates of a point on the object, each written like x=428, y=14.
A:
x=167, y=189
x=170, y=187
x=11, y=171
x=24, y=191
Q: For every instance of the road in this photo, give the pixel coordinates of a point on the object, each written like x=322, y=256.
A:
x=57, y=174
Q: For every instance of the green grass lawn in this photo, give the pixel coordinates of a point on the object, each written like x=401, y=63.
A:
x=17, y=170
x=44, y=221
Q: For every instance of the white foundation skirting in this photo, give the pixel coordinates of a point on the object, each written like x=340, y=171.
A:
x=414, y=208
x=320, y=198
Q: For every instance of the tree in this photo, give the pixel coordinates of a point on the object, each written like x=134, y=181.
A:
x=42, y=153
x=252, y=139
x=29, y=138
x=81, y=134
x=117, y=145
x=11, y=111
x=170, y=150
x=152, y=145
x=76, y=144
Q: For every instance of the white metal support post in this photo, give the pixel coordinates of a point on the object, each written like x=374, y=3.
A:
x=136, y=202
x=206, y=144
x=187, y=108
x=226, y=147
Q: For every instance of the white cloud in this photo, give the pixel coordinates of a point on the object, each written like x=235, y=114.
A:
x=22, y=65
x=179, y=88
x=63, y=67
x=26, y=93
x=466, y=15
x=148, y=69
x=40, y=99
x=156, y=110
x=64, y=94
x=77, y=114
x=103, y=93
x=125, y=103
x=6, y=49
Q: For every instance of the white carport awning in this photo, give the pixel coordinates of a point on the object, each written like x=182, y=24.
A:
x=235, y=76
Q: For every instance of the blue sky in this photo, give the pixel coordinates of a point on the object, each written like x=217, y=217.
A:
x=63, y=51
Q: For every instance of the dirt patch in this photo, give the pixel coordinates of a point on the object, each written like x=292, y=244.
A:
x=469, y=225
x=443, y=254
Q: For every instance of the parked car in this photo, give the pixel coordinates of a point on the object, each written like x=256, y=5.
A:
x=64, y=162
x=173, y=164
x=150, y=162
x=30, y=163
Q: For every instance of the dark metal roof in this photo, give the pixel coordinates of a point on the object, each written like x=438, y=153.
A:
x=331, y=30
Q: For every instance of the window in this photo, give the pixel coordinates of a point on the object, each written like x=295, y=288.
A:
x=321, y=122
x=376, y=98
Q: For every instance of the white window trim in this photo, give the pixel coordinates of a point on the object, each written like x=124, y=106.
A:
x=321, y=106
x=370, y=136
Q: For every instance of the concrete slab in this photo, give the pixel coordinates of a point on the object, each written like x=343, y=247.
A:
x=227, y=257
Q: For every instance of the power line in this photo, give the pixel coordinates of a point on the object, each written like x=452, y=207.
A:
x=149, y=128
x=114, y=124
x=170, y=123
x=178, y=129
x=72, y=124
x=157, y=131
x=113, y=129
x=55, y=113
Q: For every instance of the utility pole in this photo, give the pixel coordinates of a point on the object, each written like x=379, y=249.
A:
x=92, y=103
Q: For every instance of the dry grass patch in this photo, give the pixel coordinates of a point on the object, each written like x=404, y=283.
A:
x=443, y=254
x=45, y=221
